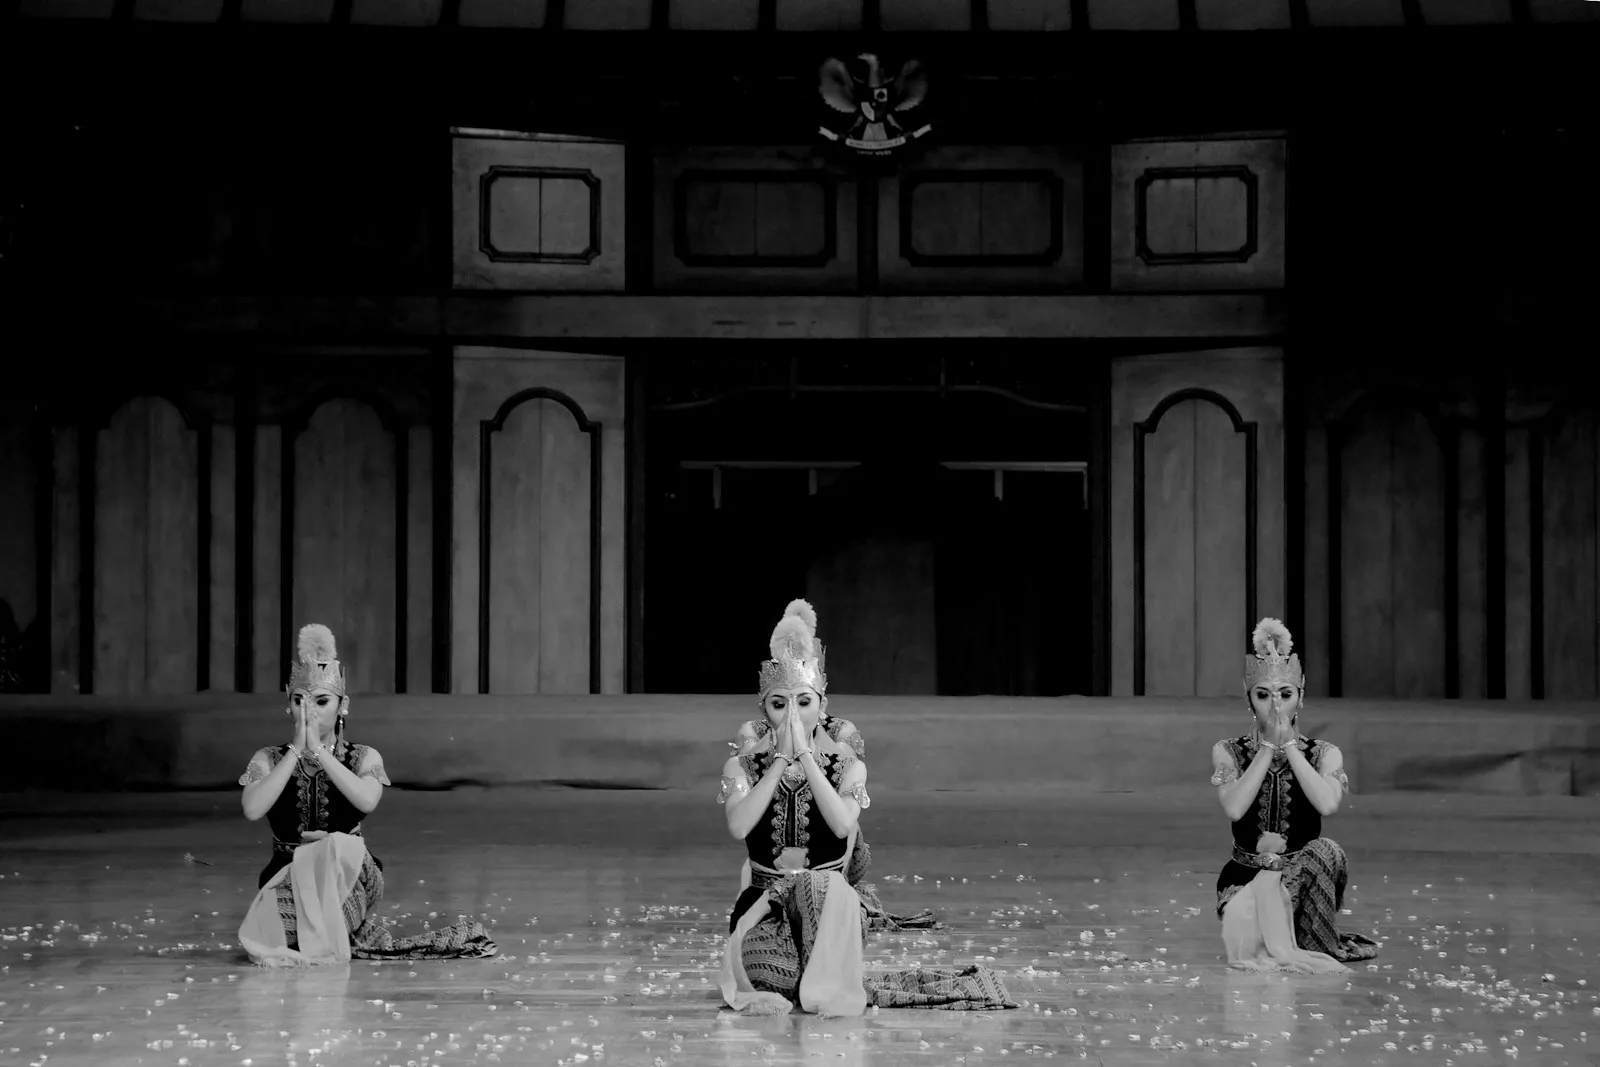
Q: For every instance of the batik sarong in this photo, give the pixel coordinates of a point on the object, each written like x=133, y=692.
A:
x=1287, y=917
x=321, y=908
x=800, y=942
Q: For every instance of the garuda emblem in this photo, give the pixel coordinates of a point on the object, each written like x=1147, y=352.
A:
x=876, y=102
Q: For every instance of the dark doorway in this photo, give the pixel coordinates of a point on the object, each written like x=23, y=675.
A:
x=942, y=533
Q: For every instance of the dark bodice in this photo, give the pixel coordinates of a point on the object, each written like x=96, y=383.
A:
x=793, y=819
x=1281, y=806
x=310, y=801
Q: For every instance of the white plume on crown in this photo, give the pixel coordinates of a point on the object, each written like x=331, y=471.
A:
x=316, y=644
x=1271, y=637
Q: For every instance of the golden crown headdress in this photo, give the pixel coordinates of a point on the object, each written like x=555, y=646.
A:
x=1274, y=661
x=797, y=655
x=318, y=666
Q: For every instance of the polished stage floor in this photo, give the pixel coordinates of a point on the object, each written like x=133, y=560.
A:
x=119, y=917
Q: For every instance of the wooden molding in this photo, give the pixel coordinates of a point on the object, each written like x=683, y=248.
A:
x=510, y=317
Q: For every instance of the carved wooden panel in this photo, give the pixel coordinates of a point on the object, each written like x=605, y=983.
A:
x=1564, y=455
x=835, y=16
x=223, y=591
x=395, y=12
x=66, y=561
x=541, y=462
x=344, y=547
x=1356, y=12
x=1024, y=15
x=969, y=218
x=67, y=9
x=902, y=16
x=1133, y=14
x=518, y=500
x=1393, y=530
x=1198, y=215
x=538, y=213
x=178, y=10
x=714, y=14
x=1563, y=11
x=754, y=218
x=1242, y=14
x=608, y=15
x=267, y=619
x=146, y=551
x=19, y=473
x=1194, y=477
x=1464, y=12
x=420, y=632
x=286, y=10
x=521, y=14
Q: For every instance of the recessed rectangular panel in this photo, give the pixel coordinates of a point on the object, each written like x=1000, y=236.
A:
x=946, y=219
x=533, y=213
x=178, y=10
x=992, y=218
x=1564, y=10
x=742, y=218
x=719, y=219
x=520, y=14
x=814, y=16
x=713, y=14
x=1466, y=12
x=515, y=214
x=608, y=15
x=1169, y=216
x=286, y=10
x=1030, y=15
x=911, y=16
x=67, y=9
x=1198, y=215
x=1017, y=218
x=791, y=219
x=1333, y=13
x=565, y=216
x=1242, y=14
x=395, y=12
x=1133, y=14
x=1221, y=214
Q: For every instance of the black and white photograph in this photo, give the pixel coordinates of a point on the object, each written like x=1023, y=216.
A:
x=765, y=533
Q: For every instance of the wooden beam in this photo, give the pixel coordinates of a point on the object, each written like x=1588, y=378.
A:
x=886, y=318
x=546, y=317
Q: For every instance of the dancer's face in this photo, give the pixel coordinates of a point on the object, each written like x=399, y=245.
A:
x=321, y=707
x=1269, y=701
x=804, y=702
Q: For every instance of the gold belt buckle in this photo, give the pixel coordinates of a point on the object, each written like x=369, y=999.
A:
x=791, y=860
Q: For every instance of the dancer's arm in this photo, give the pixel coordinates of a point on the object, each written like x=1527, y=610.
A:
x=263, y=782
x=1238, y=793
x=839, y=808
x=1323, y=784
x=362, y=791
x=745, y=804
